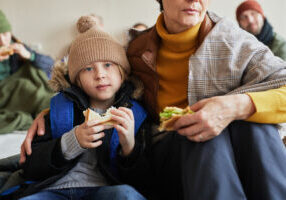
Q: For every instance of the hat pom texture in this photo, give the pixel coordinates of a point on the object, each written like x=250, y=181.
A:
x=85, y=23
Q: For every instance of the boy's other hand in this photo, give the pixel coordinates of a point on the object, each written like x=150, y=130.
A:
x=125, y=127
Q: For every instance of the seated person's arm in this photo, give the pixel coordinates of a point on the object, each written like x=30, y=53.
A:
x=37, y=127
x=38, y=60
x=41, y=61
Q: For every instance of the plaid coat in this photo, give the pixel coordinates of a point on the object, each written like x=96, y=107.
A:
x=228, y=61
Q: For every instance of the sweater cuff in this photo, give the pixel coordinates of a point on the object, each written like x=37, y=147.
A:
x=33, y=57
x=270, y=106
x=70, y=146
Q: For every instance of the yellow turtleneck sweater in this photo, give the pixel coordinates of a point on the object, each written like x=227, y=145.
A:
x=172, y=68
x=172, y=65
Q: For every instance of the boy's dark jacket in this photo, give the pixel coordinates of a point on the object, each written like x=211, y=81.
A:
x=47, y=164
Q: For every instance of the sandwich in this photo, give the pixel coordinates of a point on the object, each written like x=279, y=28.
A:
x=6, y=51
x=170, y=115
x=105, y=119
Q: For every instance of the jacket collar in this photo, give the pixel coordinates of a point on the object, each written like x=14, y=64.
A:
x=152, y=46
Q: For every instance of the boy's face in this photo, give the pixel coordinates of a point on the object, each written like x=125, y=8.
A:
x=100, y=81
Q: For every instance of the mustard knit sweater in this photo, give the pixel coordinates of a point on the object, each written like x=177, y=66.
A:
x=172, y=69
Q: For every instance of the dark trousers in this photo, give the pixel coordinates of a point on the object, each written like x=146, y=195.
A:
x=246, y=161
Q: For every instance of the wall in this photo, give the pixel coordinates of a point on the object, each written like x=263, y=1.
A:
x=49, y=25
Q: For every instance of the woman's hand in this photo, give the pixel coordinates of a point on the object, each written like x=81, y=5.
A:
x=212, y=115
x=88, y=134
x=38, y=126
x=125, y=128
x=21, y=50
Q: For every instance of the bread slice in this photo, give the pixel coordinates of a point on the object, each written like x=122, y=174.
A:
x=105, y=119
x=6, y=51
x=167, y=123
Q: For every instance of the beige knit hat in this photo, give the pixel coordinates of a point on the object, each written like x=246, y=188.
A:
x=94, y=45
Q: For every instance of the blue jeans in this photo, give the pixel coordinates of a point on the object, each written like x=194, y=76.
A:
x=117, y=192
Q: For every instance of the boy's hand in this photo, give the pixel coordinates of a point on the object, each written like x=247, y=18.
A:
x=88, y=134
x=125, y=128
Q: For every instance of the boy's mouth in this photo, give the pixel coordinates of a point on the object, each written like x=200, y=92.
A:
x=103, y=86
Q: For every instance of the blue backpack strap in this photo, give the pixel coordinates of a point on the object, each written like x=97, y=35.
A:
x=14, y=188
x=61, y=115
x=139, y=116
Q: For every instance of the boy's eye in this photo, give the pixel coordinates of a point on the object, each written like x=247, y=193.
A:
x=107, y=64
x=88, y=69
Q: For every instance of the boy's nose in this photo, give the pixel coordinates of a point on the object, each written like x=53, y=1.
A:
x=100, y=74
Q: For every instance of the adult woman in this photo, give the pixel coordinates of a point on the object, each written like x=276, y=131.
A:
x=235, y=159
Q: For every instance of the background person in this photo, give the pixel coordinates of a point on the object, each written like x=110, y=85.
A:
x=140, y=26
x=135, y=30
x=251, y=18
x=23, y=78
x=11, y=63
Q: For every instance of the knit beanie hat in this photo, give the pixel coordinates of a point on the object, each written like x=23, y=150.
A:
x=248, y=5
x=94, y=45
x=4, y=23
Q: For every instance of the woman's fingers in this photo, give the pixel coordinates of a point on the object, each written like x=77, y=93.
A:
x=191, y=130
x=200, y=137
x=29, y=137
x=22, y=154
x=185, y=121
